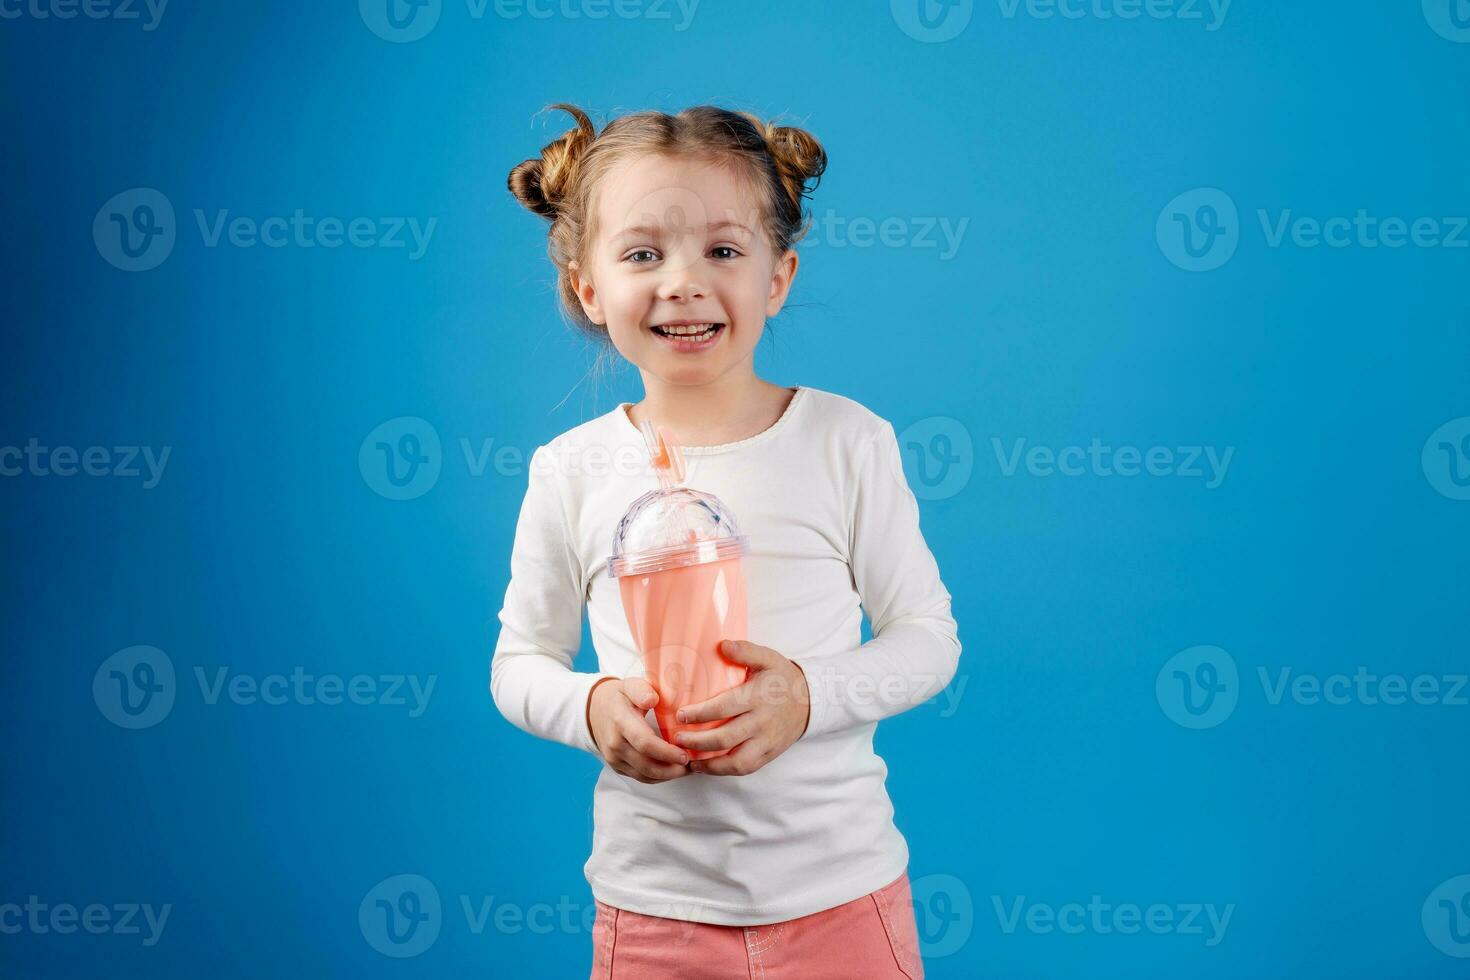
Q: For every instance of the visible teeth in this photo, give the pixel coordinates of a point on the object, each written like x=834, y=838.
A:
x=688, y=330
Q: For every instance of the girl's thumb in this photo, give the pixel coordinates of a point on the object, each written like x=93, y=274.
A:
x=641, y=693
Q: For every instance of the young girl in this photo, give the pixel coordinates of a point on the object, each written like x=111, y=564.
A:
x=672, y=237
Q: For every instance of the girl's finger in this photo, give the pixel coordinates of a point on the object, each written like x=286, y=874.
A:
x=732, y=732
x=744, y=759
x=646, y=743
x=660, y=773
x=726, y=704
x=639, y=766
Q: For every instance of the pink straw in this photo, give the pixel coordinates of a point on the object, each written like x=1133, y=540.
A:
x=667, y=459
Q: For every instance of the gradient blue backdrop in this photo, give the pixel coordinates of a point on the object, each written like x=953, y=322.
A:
x=1062, y=316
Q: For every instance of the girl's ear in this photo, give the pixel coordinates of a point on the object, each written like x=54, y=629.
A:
x=586, y=294
x=781, y=279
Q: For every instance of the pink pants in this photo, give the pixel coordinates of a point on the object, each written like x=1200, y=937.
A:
x=870, y=938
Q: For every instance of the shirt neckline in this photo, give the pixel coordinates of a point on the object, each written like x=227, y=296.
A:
x=798, y=396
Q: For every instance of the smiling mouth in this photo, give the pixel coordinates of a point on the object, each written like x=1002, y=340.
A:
x=692, y=332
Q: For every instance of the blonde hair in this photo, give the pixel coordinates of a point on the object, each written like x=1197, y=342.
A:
x=777, y=162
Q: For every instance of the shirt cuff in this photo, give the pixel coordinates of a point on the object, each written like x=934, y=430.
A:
x=591, y=745
x=904, y=667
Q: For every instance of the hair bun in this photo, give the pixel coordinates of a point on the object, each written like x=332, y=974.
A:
x=798, y=156
x=525, y=183
x=541, y=183
x=798, y=152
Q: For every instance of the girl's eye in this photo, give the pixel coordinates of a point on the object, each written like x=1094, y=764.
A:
x=633, y=256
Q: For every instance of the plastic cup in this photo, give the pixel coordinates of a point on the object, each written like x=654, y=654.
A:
x=677, y=555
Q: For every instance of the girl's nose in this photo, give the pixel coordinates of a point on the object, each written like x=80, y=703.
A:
x=682, y=285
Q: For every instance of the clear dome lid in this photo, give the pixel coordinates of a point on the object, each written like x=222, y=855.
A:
x=672, y=527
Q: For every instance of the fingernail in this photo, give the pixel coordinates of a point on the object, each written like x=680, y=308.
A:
x=682, y=717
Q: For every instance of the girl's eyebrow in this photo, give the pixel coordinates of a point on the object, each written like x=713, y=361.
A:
x=653, y=231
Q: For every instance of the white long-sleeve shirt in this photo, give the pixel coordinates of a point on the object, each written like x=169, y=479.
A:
x=834, y=530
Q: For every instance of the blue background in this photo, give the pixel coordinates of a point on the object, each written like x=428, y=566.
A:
x=264, y=547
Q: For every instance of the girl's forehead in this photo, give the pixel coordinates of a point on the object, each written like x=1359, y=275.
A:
x=652, y=192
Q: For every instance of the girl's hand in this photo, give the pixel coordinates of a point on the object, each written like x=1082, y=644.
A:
x=615, y=716
x=767, y=713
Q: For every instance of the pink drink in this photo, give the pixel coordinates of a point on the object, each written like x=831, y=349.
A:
x=677, y=557
x=678, y=617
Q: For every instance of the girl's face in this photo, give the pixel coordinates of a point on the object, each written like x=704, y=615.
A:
x=681, y=240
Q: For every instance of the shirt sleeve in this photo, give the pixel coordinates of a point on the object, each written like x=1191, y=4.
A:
x=531, y=677
x=915, y=647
